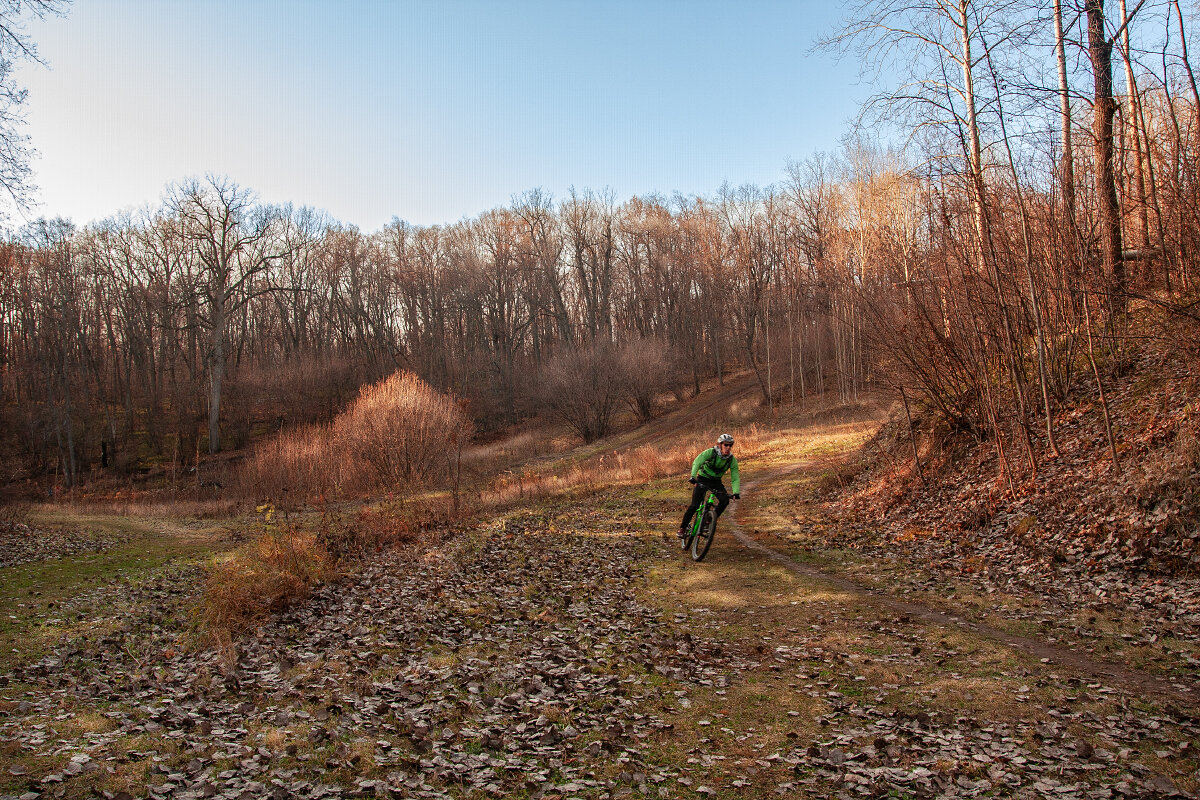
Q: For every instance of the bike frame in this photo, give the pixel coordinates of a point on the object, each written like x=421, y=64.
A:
x=707, y=506
x=710, y=502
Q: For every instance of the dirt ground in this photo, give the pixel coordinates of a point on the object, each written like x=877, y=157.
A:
x=561, y=648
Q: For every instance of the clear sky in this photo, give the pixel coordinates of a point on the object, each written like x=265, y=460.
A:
x=428, y=111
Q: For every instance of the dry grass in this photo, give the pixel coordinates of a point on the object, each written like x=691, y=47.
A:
x=639, y=465
x=491, y=457
x=392, y=523
x=132, y=505
x=279, y=567
x=284, y=561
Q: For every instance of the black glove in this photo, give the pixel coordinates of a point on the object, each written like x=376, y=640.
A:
x=691, y=480
x=737, y=495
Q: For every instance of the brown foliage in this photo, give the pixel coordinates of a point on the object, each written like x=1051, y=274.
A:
x=278, y=567
x=405, y=430
x=398, y=431
x=645, y=369
x=583, y=388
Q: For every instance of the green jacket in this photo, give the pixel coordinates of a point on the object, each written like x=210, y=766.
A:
x=710, y=465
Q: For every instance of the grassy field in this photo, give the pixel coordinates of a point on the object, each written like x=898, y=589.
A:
x=43, y=603
x=563, y=609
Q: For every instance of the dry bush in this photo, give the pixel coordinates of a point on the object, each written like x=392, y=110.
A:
x=582, y=387
x=398, y=431
x=405, y=430
x=279, y=567
x=644, y=370
x=14, y=515
x=298, y=463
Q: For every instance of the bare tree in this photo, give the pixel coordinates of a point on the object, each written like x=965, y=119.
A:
x=234, y=242
x=1100, y=48
x=15, y=47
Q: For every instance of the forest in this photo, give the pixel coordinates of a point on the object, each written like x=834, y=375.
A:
x=291, y=509
x=1047, y=186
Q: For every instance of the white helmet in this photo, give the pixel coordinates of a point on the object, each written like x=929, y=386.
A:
x=724, y=438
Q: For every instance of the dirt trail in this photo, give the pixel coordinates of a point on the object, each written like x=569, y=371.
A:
x=1133, y=680
x=736, y=388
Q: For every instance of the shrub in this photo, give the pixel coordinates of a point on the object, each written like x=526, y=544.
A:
x=645, y=369
x=404, y=430
x=582, y=387
x=297, y=463
x=274, y=570
x=397, y=431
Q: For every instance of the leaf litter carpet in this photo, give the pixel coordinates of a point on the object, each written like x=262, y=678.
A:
x=516, y=661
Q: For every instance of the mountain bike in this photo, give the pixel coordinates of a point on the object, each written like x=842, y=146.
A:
x=704, y=527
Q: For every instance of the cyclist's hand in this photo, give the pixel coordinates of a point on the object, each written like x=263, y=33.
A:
x=737, y=495
x=691, y=480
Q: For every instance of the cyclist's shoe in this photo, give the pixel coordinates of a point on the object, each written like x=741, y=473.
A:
x=682, y=533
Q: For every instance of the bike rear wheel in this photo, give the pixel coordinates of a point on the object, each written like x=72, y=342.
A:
x=703, y=540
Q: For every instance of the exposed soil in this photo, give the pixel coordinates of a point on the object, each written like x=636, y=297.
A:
x=1132, y=680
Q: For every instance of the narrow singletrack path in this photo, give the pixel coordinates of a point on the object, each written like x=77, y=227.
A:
x=669, y=424
x=1127, y=678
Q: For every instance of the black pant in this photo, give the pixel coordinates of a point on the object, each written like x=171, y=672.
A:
x=702, y=485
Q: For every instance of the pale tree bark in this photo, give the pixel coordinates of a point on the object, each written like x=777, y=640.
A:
x=975, y=149
x=1133, y=119
x=1064, y=106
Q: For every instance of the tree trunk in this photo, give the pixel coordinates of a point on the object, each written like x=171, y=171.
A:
x=1064, y=100
x=1134, y=127
x=216, y=373
x=1103, y=109
x=975, y=149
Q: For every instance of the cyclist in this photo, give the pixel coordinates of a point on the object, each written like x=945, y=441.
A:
x=707, y=471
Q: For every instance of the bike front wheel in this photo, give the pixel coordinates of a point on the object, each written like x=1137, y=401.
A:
x=703, y=540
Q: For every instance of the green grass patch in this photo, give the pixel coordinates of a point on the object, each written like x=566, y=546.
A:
x=43, y=602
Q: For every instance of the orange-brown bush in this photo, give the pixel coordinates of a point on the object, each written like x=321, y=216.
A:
x=405, y=430
x=399, y=430
x=279, y=567
x=297, y=464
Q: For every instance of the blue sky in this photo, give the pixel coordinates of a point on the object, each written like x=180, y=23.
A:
x=428, y=111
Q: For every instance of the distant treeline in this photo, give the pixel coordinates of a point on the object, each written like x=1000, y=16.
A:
x=981, y=275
